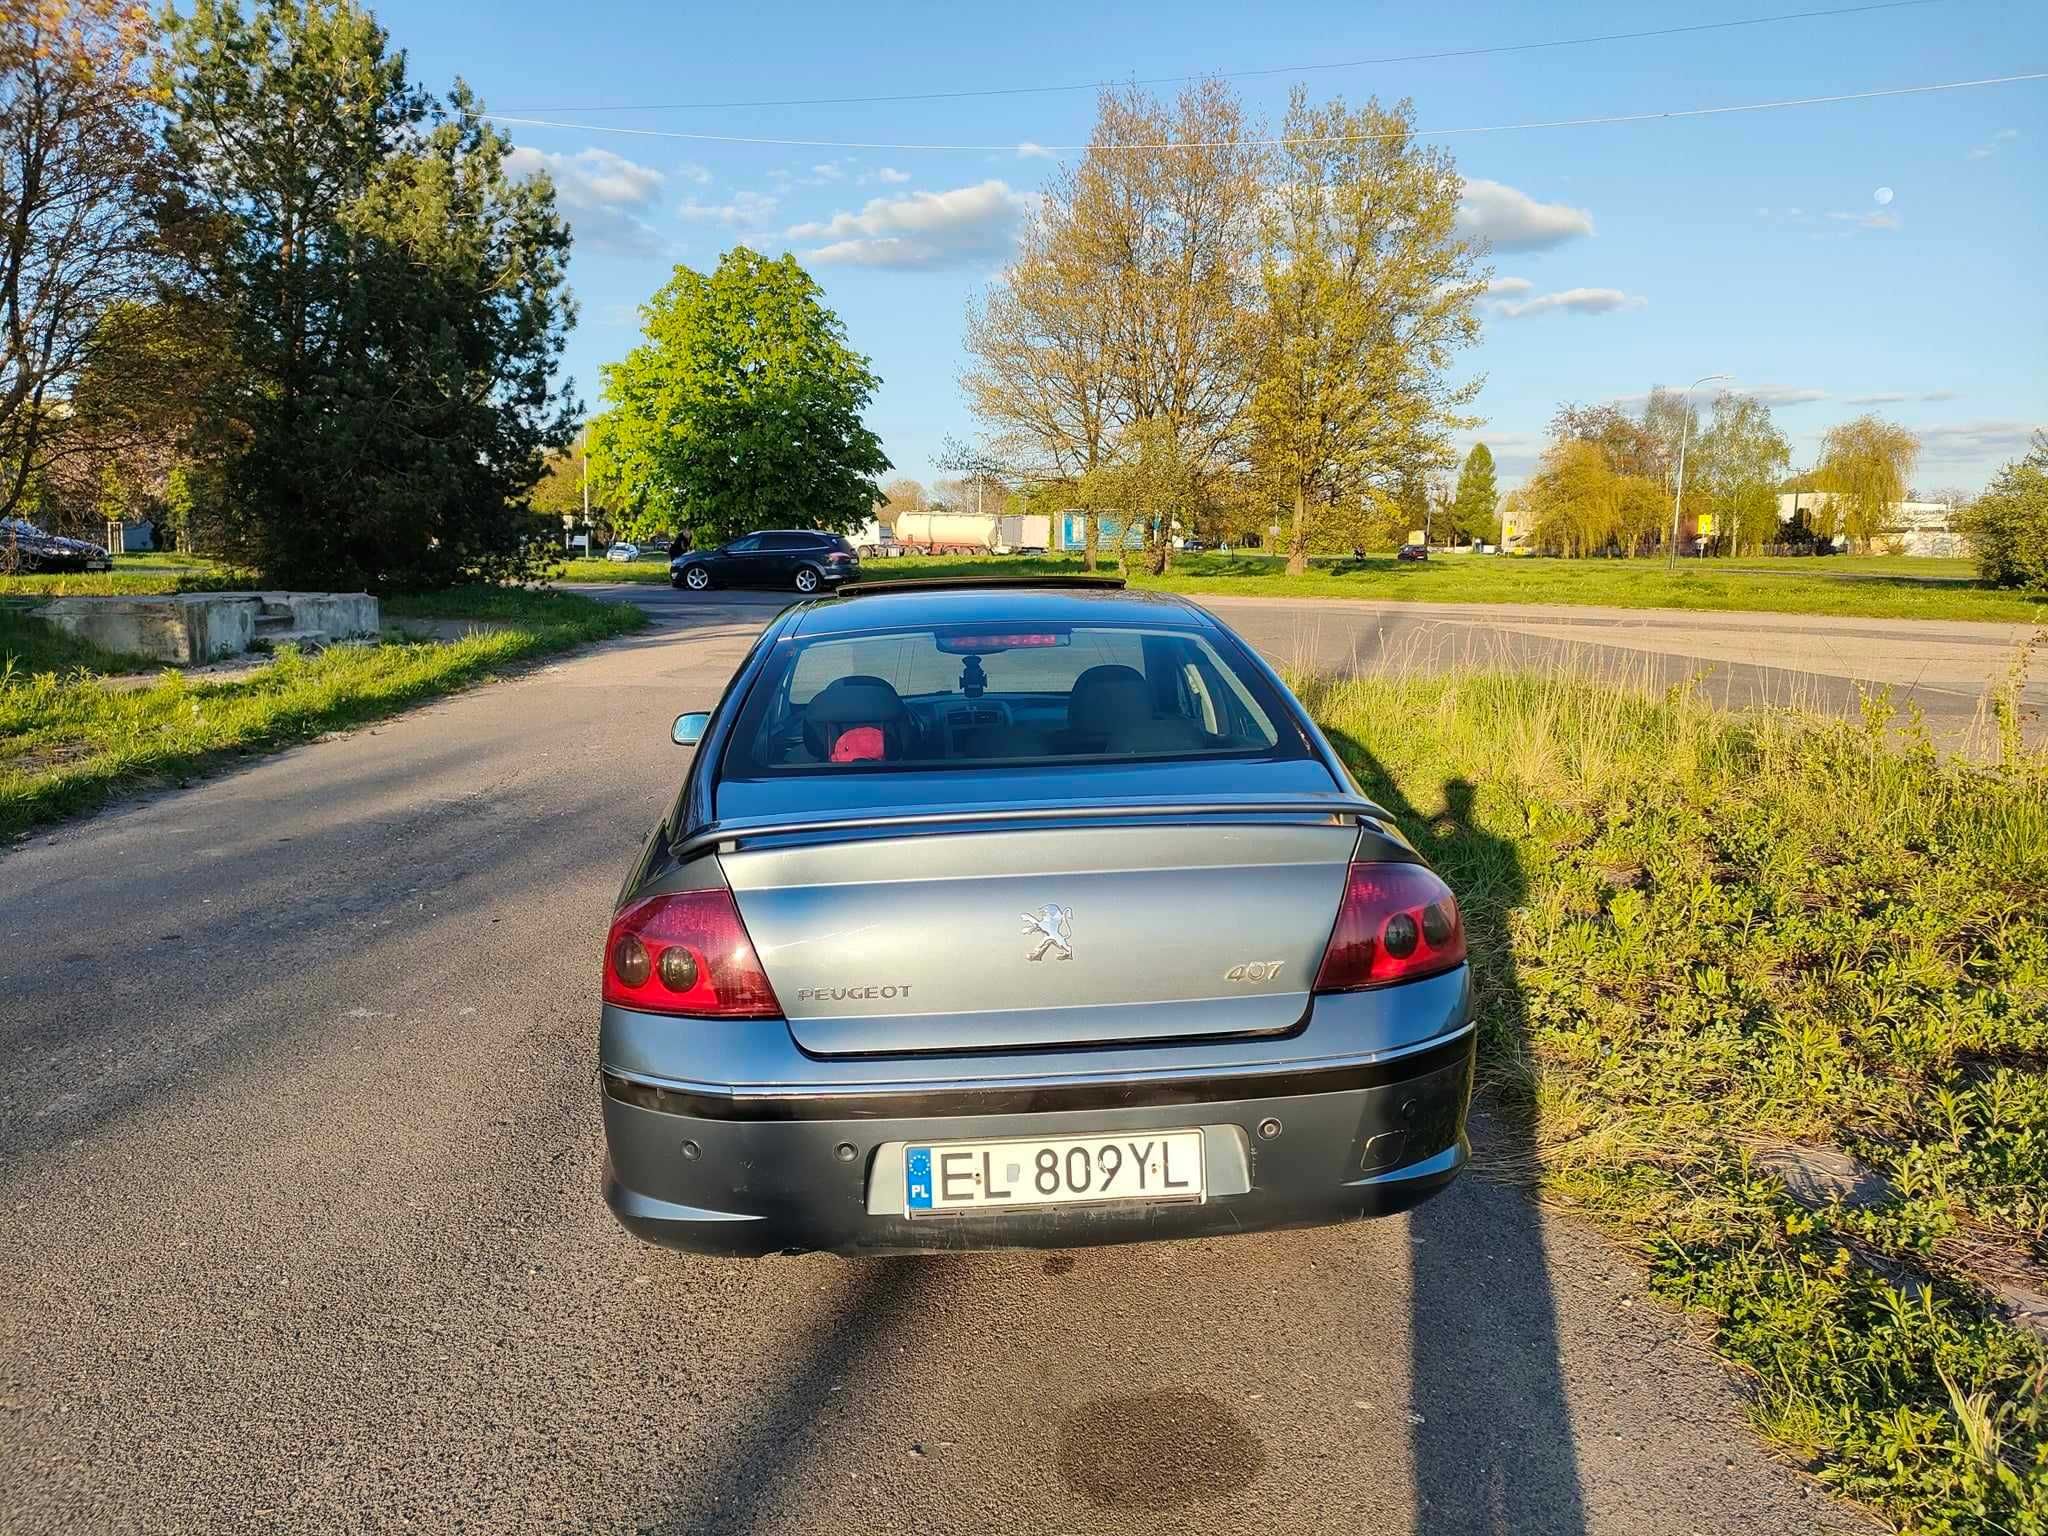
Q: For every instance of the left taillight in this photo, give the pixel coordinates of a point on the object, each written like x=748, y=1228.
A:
x=686, y=953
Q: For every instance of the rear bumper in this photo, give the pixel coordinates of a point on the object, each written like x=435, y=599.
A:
x=819, y=1168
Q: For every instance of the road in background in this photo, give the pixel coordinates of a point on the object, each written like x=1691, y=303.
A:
x=1741, y=660
x=300, y=1227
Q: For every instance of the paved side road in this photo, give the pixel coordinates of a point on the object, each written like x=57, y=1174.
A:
x=300, y=1228
x=1743, y=660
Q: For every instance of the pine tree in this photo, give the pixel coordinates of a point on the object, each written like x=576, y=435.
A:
x=1478, y=497
x=396, y=302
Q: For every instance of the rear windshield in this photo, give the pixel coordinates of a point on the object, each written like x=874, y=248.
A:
x=952, y=696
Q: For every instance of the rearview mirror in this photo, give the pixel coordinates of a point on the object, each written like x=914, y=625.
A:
x=689, y=729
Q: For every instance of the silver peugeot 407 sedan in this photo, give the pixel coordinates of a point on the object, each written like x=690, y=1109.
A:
x=997, y=914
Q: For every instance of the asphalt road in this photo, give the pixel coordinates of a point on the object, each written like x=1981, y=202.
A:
x=300, y=1228
x=1742, y=660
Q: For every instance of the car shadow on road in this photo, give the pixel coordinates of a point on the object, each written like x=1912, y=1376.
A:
x=1492, y=1433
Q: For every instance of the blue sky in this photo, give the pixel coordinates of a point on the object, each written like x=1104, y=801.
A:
x=1758, y=245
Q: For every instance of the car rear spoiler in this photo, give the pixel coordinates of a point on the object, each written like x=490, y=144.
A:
x=719, y=833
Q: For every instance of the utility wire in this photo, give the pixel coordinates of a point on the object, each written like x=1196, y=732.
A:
x=1249, y=74
x=1344, y=138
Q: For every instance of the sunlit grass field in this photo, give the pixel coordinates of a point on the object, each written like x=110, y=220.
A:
x=1699, y=935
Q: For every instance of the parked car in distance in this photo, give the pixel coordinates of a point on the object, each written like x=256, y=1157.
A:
x=1412, y=552
x=623, y=552
x=799, y=559
x=29, y=548
x=1015, y=914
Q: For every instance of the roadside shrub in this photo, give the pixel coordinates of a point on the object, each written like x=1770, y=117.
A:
x=2008, y=526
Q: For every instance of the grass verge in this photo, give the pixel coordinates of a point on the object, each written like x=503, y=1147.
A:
x=1698, y=935
x=132, y=576
x=67, y=740
x=1876, y=587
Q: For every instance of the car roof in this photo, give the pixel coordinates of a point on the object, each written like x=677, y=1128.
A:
x=1023, y=603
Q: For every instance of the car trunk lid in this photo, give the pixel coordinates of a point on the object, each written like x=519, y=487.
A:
x=883, y=941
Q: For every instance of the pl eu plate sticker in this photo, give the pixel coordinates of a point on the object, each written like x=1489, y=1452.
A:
x=917, y=1172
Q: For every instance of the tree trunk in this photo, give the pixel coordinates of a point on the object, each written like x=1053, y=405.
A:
x=1297, y=544
x=1091, y=533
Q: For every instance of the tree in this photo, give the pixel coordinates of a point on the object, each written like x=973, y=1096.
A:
x=396, y=300
x=1477, y=501
x=2008, y=525
x=1366, y=294
x=1573, y=502
x=1864, y=466
x=80, y=174
x=1670, y=419
x=741, y=408
x=1042, y=382
x=1627, y=446
x=1741, y=457
x=900, y=495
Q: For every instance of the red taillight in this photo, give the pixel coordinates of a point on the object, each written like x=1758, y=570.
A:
x=1398, y=922
x=686, y=953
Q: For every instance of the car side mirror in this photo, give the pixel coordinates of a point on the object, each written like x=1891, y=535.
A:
x=689, y=729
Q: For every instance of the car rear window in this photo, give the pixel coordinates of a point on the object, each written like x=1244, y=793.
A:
x=935, y=697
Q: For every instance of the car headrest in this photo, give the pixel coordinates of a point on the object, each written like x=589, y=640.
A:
x=1106, y=697
x=858, y=698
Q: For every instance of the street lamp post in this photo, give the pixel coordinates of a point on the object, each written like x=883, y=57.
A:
x=1678, y=502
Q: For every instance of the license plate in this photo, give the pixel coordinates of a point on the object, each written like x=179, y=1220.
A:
x=1060, y=1170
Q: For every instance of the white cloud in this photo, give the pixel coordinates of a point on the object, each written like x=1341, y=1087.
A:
x=1514, y=221
x=689, y=170
x=1030, y=151
x=1882, y=397
x=924, y=229
x=1768, y=394
x=827, y=172
x=1884, y=220
x=602, y=193
x=1776, y=394
x=1991, y=147
x=1514, y=453
x=1576, y=301
x=750, y=208
x=890, y=174
x=1942, y=394
x=1968, y=442
x=1509, y=285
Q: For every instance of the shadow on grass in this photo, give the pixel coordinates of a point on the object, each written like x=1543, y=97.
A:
x=1484, y=1310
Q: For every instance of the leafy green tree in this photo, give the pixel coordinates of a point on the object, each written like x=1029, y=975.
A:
x=742, y=406
x=1864, y=467
x=397, y=302
x=1741, y=457
x=1367, y=295
x=1478, y=497
x=2008, y=525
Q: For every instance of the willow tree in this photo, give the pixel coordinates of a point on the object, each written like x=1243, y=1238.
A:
x=1366, y=295
x=1864, y=466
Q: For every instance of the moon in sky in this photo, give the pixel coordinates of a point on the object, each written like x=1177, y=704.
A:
x=1883, y=195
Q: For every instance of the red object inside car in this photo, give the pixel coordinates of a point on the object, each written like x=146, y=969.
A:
x=859, y=744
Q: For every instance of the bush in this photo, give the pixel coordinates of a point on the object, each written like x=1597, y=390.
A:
x=2008, y=526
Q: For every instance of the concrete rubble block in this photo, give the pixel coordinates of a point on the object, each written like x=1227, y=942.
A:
x=191, y=628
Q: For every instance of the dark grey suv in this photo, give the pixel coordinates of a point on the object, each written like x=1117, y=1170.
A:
x=1015, y=915
x=792, y=559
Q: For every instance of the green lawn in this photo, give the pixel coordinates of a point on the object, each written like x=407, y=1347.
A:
x=67, y=741
x=1698, y=935
x=1876, y=587
x=132, y=576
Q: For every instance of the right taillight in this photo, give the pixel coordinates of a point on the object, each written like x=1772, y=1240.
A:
x=1398, y=922
x=686, y=953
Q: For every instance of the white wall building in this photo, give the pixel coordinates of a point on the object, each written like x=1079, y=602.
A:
x=1921, y=526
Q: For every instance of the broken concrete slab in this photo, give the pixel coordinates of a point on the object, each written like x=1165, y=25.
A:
x=1819, y=1176
x=189, y=628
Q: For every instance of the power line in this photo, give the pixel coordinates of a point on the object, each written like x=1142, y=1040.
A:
x=1347, y=138
x=1249, y=74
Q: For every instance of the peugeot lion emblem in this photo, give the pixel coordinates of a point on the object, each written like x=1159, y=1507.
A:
x=1052, y=926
